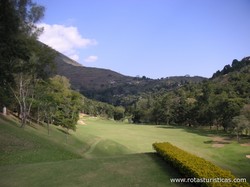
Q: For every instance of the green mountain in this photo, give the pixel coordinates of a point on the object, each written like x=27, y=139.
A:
x=236, y=66
x=86, y=78
x=222, y=101
x=109, y=86
x=234, y=78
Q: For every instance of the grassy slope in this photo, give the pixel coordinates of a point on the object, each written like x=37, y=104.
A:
x=24, y=146
x=103, y=153
x=29, y=157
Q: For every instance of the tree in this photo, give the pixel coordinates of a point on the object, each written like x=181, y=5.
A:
x=119, y=113
x=226, y=69
x=68, y=103
x=239, y=124
x=28, y=74
x=22, y=58
x=17, y=34
x=9, y=45
x=227, y=109
x=137, y=116
x=44, y=106
x=167, y=107
x=17, y=30
x=142, y=110
x=158, y=113
x=246, y=111
x=181, y=111
x=24, y=92
x=55, y=102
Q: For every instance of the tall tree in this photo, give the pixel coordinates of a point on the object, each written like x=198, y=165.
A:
x=44, y=106
x=22, y=57
x=24, y=92
x=17, y=28
x=240, y=123
x=9, y=47
x=68, y=103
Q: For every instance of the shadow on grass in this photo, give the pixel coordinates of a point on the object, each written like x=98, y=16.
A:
x=168, y=127
x=167, y=168
x=245, y=139
x=32, y=125
x=13, y=119
x=63, y=131
x=163, y=165
x=10, y=120
x=215, y=142
x=227, y=136
x=199, y=131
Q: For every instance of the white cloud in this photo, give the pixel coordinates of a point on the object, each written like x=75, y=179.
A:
x=65, y=39
x=91, y=59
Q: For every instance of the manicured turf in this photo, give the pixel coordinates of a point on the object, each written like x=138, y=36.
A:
x=104, y=153
x=139, y=138
x=130, y=170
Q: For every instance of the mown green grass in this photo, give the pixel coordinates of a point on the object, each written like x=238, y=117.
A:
x=131, y=170
x=104, y=153
x=139, y=138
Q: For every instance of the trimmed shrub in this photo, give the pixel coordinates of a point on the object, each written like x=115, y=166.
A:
x=192, y=166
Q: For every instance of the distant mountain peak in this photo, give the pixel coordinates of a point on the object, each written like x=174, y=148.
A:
x=61, y=57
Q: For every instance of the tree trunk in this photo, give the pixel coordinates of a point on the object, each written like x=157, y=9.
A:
x=238, y=138
x=23, y=113
x=23, y=91
x=48, y=126
x=38, y=116
x=67, y=133
x=23, y=119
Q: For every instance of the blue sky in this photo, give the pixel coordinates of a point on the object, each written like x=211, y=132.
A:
x=152, y=38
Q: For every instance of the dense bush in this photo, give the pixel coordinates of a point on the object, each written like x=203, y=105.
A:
x=192, y=166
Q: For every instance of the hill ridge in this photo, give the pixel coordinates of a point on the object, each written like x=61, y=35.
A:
x=105, y=84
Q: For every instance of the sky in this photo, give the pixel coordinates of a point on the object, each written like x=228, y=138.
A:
x=152, y=38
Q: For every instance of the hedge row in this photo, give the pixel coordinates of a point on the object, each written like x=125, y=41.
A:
x=192, y=166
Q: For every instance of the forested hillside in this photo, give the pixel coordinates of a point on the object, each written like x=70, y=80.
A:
x=112, y=87
x=222, y=101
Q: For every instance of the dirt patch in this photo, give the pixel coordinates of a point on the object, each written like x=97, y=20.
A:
x=221, y=140
x=83, y=115
x=217, y=145
x=245, y=144
x=218, y=141
x=81, y=122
